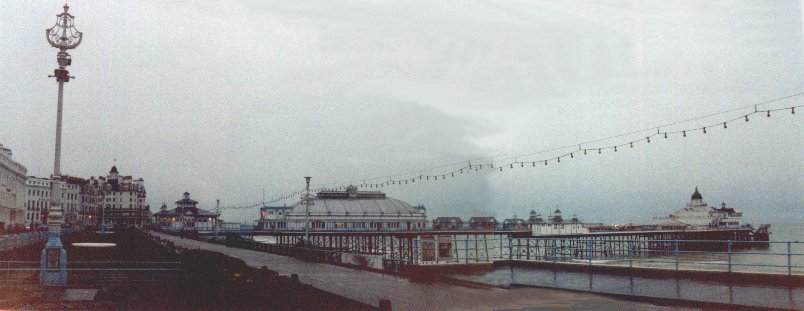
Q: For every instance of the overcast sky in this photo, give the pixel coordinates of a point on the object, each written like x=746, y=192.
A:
x=226, y=98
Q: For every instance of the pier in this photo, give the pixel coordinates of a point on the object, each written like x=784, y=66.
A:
x=365, y=280
x=405, y=248
x=372, y=287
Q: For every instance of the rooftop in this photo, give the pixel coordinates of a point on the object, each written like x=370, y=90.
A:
x=354, y=202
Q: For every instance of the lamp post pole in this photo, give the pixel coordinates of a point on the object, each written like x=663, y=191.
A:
x=215, y=224
x=307, y=211
x=63, y=36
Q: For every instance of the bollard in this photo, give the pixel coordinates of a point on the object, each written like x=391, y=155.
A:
x=385, y=305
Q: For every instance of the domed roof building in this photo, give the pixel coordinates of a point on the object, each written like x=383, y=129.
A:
x=349, y=209
x=698, y=214
x=696, y=195
x=186, y=216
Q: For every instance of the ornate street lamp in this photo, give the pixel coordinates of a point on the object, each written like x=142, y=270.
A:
x=62, y=36
x=307, y=201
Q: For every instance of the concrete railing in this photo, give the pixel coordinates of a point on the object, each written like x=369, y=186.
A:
x=11, y=242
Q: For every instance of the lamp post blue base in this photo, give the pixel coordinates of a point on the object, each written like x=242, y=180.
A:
x=53, y=263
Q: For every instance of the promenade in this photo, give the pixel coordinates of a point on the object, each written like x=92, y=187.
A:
x=370, y=287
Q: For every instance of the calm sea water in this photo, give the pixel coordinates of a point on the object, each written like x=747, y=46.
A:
x=753, y=260
x=777, y=252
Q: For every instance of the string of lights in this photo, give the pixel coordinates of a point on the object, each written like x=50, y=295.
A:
x=280, y=198
x=567, y=152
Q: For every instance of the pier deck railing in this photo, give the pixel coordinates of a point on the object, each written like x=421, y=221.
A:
x=780, y=257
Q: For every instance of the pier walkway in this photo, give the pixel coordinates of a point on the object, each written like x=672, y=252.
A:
x=370, y=287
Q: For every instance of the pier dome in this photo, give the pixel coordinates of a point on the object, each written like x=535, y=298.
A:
x=354, y=202
x=696, y=195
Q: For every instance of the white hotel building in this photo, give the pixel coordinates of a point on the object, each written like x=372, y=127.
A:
x=38, y=201
x=12, y=189
x=120, y=201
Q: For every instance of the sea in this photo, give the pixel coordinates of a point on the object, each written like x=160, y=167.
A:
x=786, y=246
x=774, y=258
x=770, y=259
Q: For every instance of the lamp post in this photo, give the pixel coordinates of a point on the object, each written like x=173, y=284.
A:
x=215, y=223
x=63, y=36
x=307, y=202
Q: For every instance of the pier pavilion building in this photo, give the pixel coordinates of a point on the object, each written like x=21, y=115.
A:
x=447, y=223
x=186, y=216
x=515, y=223
x=556, y=224
x=482, y=223
x=347, y=210
x=698, y=214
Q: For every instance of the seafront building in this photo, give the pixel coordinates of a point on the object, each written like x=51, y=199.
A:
x=71, y=200
x=90, y=197
x=515, y=223
x=698, y=214
x=112, y=201
x=12, y=189
x=350, y=209
x=37, y=200
x=120, y=201
x=186, y=216
x=556, y=225
x=447, y=223
x=482, y=223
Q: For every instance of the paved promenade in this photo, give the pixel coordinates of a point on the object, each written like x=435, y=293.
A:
x=370, y=287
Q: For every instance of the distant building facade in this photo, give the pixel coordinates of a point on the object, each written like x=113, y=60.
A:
x=515, y=223
x=121, y=201
x=346, y=210
x=482, y=223
x=556, y=225
x=447, y=223
x=90, y=202
x=12, y=189
x=273, y=218
x=37, y=200
x=71, y=200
